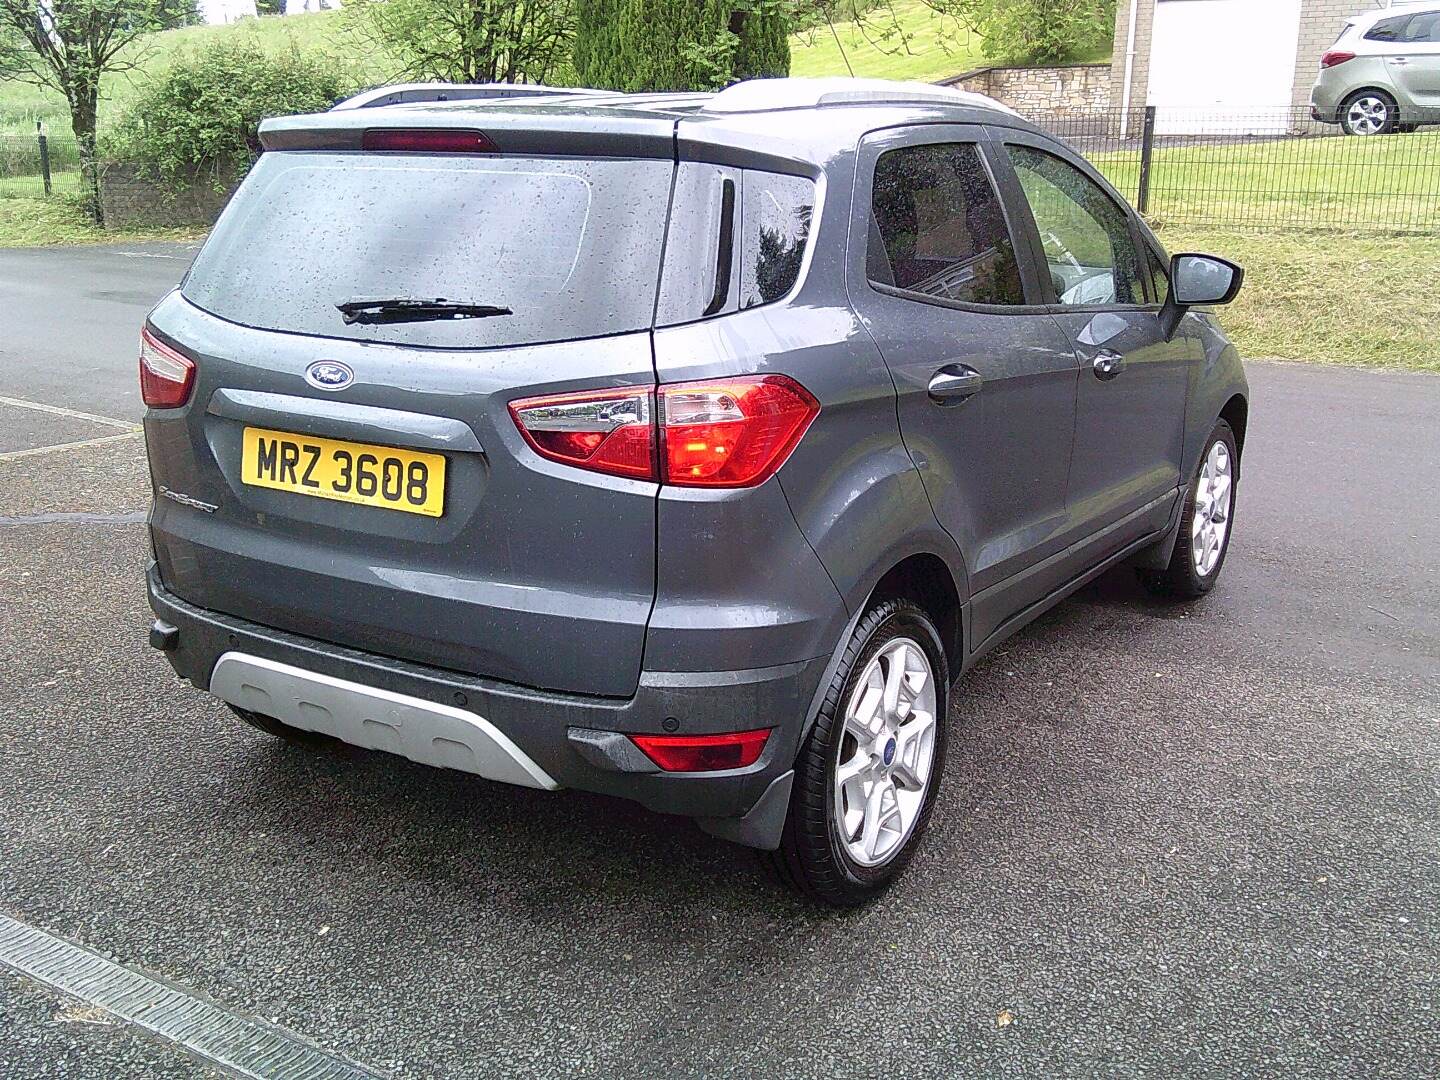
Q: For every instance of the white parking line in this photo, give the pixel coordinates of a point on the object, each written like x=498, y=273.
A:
x=74, y=414
x=101, y=441
x=238, y=1044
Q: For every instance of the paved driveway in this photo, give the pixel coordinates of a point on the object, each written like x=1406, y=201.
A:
x=1193, y=840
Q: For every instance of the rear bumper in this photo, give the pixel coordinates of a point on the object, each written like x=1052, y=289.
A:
x=574, y=740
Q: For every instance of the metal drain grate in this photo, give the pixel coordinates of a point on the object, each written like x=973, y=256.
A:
x=222, y=1038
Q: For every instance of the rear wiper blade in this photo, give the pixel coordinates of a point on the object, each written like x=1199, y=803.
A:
x=363, y=309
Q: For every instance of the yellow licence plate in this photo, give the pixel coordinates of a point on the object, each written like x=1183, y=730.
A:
x=344, y=471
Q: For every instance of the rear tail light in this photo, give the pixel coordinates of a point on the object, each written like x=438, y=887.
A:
x=703, y=753
x=166, y=377
x=1336, y=57
x=609, y=432
x=733, y=432
x=725, y=433
x=427, y=140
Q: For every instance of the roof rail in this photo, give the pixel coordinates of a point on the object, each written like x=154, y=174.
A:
x=406, y=93
x=761, y=95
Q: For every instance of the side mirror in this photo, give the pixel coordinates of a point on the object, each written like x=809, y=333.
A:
x=1198, y=280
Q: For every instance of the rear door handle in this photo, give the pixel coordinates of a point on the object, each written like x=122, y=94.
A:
x=1108, y=364
x=1399, y=60
x=954, y=383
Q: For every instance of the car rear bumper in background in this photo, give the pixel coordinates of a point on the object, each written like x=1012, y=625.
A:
x=571, y=740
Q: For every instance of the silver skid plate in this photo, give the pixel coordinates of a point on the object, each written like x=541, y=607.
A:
x=378, y=719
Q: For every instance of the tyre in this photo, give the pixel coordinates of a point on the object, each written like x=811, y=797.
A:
x=271, y=726
x=867, y=774
x=1205, y=523
x=1369, y=112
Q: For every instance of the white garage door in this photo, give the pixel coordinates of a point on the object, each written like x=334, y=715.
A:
x=1216, y=56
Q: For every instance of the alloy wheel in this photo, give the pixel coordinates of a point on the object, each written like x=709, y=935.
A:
x=886, y=753
x=1214, y=495
x=1368, y=115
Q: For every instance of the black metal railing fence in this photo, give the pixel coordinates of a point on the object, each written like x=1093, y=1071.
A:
x=1261, y=169
x=32, y=166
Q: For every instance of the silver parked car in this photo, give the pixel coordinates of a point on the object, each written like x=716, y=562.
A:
x=1382, y=74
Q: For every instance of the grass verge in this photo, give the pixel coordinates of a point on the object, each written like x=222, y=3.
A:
x=42, y=222
x=1342, y=298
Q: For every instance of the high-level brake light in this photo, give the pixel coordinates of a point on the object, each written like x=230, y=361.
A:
x=428, y=140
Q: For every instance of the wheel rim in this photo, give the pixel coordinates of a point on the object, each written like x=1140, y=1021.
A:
x=1368, y=115
x=1214, y=498
x=886, y=753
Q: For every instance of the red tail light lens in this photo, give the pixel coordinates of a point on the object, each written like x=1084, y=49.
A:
x=166, y=377
x=427, y=140
x=1336, y=57
x=703, y=753
x=732, y=432
x=608, y=431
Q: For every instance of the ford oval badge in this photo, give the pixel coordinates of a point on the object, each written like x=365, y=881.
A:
x=329, y=375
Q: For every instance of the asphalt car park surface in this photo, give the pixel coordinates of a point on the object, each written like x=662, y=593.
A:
x=1169, y=840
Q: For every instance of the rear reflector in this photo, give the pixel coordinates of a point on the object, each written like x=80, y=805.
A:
x=166, y=377
x=607, y=431
x=427, y=140
x=703, y=753
x=1336, y=57
x=732, y=432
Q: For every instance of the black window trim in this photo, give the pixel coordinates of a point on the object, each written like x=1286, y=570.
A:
x=1005, y=137
x=947, y=133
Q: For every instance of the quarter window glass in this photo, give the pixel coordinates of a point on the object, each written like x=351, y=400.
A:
x=1387, y=29
x=1159, y=278
x=1089, y=251
x=775, y=216
x=937, y=227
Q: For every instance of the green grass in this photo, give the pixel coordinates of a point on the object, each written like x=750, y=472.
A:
x=38, y=222
x=1344, y=298
x=1328, y=181
x=22, y=104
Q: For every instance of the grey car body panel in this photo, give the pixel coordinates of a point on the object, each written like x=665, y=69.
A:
x=570, y=608
x=465, y=592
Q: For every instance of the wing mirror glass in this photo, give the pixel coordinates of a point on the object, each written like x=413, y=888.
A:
x=1198, y=280
x=1204, y=279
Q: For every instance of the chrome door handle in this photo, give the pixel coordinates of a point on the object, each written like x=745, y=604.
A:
x=1108, y=364
x=954, y=383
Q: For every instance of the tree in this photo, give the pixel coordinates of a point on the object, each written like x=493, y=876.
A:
x=1034, y=31
x=67, y=45
x=201, y=118
x=468, y=40
x=663, y=45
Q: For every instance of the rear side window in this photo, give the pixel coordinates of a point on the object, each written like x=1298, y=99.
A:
x=571, y=247
x=1387, y=29
x=937, y=228
x=1089, y=251
x=737, y=240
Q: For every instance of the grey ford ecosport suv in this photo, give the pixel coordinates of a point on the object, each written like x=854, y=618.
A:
x=683, y=448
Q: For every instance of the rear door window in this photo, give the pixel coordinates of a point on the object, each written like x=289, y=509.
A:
x=1424, y=29
x=937, y=229
x=570, y=246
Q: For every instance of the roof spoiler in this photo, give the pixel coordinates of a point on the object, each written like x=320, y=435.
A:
x=407, y=93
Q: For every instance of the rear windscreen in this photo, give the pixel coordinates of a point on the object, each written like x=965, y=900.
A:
x=571, y=247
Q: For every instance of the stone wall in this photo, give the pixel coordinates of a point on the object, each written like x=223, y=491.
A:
x=128, y=200
x=1320, y=22
x=1039, y=91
